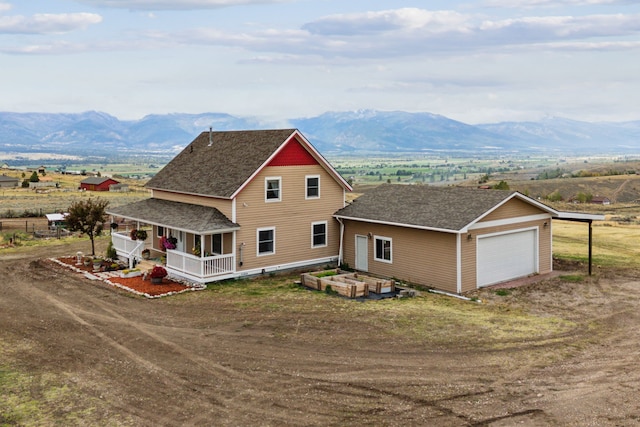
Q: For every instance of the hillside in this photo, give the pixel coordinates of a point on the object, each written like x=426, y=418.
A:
x=97, y=134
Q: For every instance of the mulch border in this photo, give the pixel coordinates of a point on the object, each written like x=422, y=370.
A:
x=188, y=286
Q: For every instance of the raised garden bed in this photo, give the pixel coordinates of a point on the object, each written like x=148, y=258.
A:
x=350, y=285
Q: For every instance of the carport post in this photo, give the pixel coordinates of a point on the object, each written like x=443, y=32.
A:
x=590, y=240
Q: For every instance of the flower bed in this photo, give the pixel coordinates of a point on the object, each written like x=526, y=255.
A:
x=135, y=285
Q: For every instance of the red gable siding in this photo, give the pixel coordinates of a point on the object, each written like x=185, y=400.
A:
x=293, y=154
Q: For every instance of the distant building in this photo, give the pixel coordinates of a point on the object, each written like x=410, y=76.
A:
x=45, y=181
x=96, y=183
x=599, y=200
x=56, y=220
x=8, y=181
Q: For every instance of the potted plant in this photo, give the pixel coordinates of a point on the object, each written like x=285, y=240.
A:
x=97, y=263
x=146, y=254
x=157, y=274
x=133, y=234
x=87, y=261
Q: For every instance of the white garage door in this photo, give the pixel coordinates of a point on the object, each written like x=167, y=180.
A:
x=506, y=256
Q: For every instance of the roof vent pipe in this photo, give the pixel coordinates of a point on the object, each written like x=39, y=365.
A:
x=210, y=136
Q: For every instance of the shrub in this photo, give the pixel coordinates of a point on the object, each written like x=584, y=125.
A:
x=111, y=251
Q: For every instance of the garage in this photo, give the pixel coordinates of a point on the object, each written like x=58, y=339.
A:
x=506, y=256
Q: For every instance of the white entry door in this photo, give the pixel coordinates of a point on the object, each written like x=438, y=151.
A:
x=362, y=253
x=506, y=256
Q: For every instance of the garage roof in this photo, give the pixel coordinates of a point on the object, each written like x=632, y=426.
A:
x=450, y=209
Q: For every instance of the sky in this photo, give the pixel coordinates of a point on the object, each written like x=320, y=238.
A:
x=483, y=61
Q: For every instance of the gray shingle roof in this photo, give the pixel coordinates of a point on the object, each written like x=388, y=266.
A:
x=95, y=180
x=220, y=169
x=443, y=208
x=182, y=216
x=5, y=178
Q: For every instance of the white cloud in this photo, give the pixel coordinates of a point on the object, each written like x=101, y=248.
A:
x=173, y=4
x=45, y=23
x=388, y=20
x=417, y=32
x=4, y=6
x=554, y=3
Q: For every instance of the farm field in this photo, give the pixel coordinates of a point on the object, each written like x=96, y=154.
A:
x=14, y=202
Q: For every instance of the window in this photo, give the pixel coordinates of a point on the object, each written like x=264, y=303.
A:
x=272, y=189
x=266, y=241
x=383, y=249
x=313, y=187
x=216, y=244
x=160, y=231
x=319, y=234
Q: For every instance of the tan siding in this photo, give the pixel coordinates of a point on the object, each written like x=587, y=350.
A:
x=292, y=217
x=468, y=263
x=429, y=258
x=223, y=205
x=513, y=208
x=419, y=256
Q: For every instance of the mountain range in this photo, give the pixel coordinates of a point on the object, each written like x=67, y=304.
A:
x=359, y=132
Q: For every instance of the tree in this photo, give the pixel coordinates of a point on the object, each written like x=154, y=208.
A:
x=502, y=185
x=88, y=216
x=34, y=177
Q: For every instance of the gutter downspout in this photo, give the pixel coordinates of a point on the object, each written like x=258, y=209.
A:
x=340, y=251
x=459, y=263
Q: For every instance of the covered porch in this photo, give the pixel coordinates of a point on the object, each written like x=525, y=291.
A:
x=194, y=242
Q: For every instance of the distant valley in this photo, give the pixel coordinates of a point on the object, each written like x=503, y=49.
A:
x=97, y=134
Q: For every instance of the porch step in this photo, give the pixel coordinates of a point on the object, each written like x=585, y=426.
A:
x=146, y=265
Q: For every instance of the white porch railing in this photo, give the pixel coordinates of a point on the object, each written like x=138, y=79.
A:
x=204, y=268
x=126, y=247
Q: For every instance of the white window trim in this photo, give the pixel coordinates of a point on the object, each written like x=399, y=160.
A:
x=375, y=249
x=326, y=234
x=306, y=187
x=258, y=230
x=266, y=188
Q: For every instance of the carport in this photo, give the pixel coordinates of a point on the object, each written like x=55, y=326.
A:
x=582, y=217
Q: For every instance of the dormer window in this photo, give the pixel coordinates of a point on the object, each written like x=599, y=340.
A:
x=273, y=192
x=313, y=187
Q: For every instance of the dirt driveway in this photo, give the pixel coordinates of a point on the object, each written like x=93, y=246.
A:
x=81, y=353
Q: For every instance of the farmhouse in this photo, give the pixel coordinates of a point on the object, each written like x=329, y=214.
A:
x=238, y=203
x=96, y=183
x=241, y=203
x=450, y=238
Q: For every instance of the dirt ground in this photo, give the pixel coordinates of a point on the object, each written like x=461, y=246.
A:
x=193, y=359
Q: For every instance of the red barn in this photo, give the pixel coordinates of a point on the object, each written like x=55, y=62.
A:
x=96, y=183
